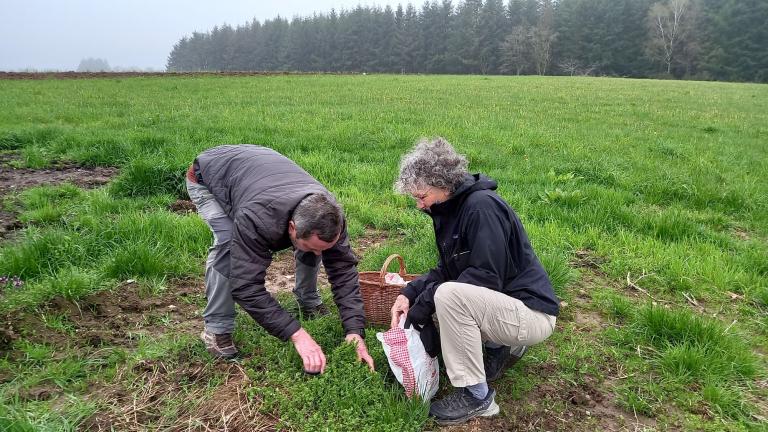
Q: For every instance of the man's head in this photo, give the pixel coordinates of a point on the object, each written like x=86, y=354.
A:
x=316, y=224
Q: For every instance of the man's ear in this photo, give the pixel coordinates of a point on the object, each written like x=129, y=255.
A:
x=292, y=227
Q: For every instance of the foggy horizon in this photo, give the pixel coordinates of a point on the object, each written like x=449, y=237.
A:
x=47, y=35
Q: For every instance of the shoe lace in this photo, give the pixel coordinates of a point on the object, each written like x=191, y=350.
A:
x=224, y=340
x=460, y=399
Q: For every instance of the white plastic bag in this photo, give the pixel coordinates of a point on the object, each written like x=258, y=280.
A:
x=409, y=361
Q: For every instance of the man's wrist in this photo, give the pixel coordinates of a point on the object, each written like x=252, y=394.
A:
x=359, y=332
x=297, y=334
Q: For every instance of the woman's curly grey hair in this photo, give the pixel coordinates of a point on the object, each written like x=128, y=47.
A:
x=432, y=162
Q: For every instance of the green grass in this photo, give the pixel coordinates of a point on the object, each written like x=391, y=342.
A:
x=665, y=181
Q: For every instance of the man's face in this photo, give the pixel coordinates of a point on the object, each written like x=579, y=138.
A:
x=311, y=244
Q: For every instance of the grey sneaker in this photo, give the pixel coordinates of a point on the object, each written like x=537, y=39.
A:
x=219, y=345
x=497, y=360
x=461, y=406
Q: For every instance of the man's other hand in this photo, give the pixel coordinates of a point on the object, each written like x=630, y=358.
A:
x=362, y=351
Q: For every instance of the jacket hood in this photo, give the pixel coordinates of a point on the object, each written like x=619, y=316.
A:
x=472, y=183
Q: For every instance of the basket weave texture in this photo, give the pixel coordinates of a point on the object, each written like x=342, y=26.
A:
x=378, y=296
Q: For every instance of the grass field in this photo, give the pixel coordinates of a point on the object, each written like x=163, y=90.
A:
x=647, y=202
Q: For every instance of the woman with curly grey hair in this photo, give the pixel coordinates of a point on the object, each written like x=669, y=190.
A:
x=489, y=292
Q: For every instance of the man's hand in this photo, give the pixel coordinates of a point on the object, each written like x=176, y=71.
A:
x=362, y=351
x=399, y=308
x=310, y=352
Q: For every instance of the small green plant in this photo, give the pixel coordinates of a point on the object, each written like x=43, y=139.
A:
x=559, y=196
x=58, y=322
x=727, y=402
x=562, y=178
x=615, y=305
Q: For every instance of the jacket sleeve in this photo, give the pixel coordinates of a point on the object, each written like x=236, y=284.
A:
x=421, y=293
x=341, y=266
x=249, y=259
x=424, y=282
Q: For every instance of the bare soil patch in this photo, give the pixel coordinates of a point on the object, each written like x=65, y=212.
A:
x=15, y=180
x=182, y=207
x=142, y=393
x=281, y=273
x=117, y=317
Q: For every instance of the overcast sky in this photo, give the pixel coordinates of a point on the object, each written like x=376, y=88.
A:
x=57, y=34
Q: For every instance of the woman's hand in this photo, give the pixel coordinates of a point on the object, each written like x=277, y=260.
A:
x=398, y=309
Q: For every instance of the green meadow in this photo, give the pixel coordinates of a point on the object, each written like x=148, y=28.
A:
x=647, y=202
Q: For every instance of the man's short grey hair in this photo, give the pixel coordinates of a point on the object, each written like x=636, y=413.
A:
x=432, y=162
x=318, y=214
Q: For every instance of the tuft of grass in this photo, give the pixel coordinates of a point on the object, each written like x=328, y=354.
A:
x=139, y=259
x=726, y=402
x=616, y=306
x=144, y=177
x=694, y=344
x=347, y=395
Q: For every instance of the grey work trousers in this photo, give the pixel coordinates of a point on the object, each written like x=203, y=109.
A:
x=470, y=315
x=219, y=313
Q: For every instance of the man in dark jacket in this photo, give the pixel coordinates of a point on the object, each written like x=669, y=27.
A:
x=256, y=202
x=488, y=290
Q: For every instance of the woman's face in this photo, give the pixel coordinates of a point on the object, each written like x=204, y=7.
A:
x=428, y=196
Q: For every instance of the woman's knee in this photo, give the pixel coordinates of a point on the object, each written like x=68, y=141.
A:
x=449, y=293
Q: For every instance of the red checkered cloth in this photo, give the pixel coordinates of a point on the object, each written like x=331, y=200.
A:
x=398, y=343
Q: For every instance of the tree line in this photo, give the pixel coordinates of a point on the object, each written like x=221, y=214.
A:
x=698, y=39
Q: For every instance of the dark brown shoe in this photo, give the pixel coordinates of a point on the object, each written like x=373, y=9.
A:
x=219, y=345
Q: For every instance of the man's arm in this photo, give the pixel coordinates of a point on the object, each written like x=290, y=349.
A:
x=341, y=266
x=249, y=259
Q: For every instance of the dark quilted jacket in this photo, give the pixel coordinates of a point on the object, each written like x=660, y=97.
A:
x=259, y=188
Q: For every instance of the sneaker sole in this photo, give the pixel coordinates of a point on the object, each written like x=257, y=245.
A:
x=492, y=410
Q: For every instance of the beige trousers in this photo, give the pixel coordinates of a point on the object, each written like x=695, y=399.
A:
x=468, y=315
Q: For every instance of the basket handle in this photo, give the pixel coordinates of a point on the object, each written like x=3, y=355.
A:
x=386, y=264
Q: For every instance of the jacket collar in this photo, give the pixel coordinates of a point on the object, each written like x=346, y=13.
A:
x=472, y=183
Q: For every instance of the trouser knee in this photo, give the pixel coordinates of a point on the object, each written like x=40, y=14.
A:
x=449, y=294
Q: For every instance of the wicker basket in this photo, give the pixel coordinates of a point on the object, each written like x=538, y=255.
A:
x=378, y=296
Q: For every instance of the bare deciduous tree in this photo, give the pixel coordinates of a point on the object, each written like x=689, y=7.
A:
x=515, y=50
x=570, y=66
x=543, y=36
x=668, y=28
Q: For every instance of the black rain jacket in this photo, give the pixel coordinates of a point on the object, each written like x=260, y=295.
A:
x=481, y=241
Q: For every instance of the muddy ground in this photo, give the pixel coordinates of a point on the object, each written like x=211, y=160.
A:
x=14, y=180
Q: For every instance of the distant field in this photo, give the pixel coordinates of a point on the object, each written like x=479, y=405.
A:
x=647, y=202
